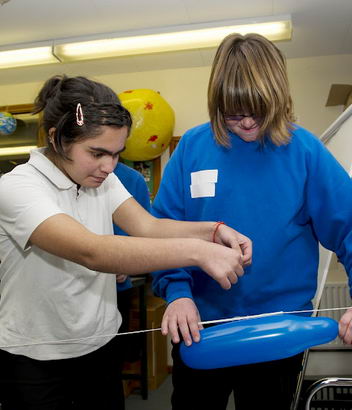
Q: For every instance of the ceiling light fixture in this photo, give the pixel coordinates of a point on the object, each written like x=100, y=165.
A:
x=21, y=57
x=166, y=39
x=195, y=36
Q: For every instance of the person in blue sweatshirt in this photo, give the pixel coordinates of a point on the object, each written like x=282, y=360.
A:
x=135, y=184
x=254, y=169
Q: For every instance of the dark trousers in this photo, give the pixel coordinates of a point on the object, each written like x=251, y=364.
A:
x=269, y=385
x=89, y=382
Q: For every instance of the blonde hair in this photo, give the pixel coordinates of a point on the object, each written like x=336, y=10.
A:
x=249, y=76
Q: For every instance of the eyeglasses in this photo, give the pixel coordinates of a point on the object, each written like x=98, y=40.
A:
x=240, y=117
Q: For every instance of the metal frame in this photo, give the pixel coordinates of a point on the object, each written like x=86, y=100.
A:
x=324, y=383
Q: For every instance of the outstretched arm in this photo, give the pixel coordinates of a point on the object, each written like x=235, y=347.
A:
x=132, y=218
x=64, y=237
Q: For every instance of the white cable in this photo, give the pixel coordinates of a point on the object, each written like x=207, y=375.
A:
x=236, y=318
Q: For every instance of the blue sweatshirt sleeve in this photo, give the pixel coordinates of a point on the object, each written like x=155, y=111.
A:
x=169, y=203
x=329, y=203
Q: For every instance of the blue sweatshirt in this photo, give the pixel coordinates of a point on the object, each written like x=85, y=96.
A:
x=134, y=182
x=285, y=199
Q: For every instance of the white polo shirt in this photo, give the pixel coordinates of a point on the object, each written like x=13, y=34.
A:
x=43, y=297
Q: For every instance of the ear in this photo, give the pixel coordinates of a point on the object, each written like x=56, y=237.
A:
x=51, y=137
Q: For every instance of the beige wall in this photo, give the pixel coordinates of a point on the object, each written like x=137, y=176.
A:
x=185, y=89
x=310, y=80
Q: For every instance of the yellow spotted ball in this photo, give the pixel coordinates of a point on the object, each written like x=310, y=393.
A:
x=152, y=127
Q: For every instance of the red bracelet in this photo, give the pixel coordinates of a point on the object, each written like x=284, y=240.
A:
x=216, y=229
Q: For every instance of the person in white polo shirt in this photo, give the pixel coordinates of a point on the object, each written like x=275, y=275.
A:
x=59, y=256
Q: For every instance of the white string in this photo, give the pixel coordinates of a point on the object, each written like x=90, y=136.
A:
x=270, y=314
x=232, y=319
x=78, y=340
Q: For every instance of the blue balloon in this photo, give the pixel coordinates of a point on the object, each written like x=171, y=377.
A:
x=257, y=340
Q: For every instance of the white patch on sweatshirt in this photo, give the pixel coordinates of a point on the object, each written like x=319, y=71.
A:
x=203, y=183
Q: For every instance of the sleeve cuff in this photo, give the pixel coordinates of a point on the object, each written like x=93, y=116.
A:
x=177, y=290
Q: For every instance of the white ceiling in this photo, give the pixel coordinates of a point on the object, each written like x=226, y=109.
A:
x=320, y=27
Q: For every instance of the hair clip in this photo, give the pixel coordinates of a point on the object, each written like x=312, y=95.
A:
x=79, y=115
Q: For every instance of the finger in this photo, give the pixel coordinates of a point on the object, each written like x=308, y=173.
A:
x=247, y=262
x=165, y=325
x=348, y=334
x=345, y=337
x=186, y=336
x=233, y=278
x=239, y=270
x=344, y=322
x=342, y=330
x=168, y=328
x=194, y=329
x=234, y=244
x=247, y=253
x=173, y=331
x=225, y=283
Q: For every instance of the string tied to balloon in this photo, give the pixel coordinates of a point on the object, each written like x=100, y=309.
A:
x=208, y=322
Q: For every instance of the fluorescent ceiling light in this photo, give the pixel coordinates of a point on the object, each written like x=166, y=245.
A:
x=192, y=36
x=22, y=150
x=27, y=56
x=186, y=39
x=168, y=41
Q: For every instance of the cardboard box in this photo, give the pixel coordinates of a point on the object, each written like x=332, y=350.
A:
x=340, y=94
x=156, y=342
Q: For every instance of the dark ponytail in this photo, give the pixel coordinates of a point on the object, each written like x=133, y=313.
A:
x=58, y=100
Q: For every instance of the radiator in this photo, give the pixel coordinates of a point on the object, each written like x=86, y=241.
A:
x=332, y=398
x=334, y=295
